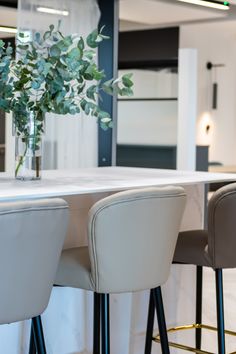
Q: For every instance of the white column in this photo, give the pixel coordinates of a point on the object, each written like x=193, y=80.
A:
x=187, y=110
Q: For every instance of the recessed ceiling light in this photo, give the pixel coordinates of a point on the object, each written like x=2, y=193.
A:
x=8, y=29
x=52, y=11
x=220, y=5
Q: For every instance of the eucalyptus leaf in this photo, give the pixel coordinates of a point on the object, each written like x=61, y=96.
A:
x=55, y=51
x=89, y=54
x=75, y=54
x=56, y=73
x=35, y=85
x=126, y=91
x=91, y=92
x=46, y=35
x=22, y=46
x=126, y=80
x=81, y=44
x=91, y=39
x=101, y=34
x=9, y=50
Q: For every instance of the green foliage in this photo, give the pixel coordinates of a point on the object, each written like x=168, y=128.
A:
x=56, y=73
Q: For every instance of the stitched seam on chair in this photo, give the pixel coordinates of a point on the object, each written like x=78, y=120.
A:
x=141, y=198
x=16, y=211
x=213, y=221
x=92, y=282
x=116, y=203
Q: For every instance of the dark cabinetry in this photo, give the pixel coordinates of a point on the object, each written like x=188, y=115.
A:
x=157, y=156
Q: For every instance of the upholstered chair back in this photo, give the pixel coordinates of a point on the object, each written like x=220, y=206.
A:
x=32, y=234
x=132, y=237
x=222, y=227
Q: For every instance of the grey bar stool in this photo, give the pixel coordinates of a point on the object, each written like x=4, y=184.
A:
x=213, y=248
x=131, y=241
x=32, y=234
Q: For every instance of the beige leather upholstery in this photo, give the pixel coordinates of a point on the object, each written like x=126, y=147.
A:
x=216, y=246
x=131, y=241
x=32, y=234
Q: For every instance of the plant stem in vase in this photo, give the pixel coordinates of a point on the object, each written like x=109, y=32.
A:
x=28, y=158
x=28, y=128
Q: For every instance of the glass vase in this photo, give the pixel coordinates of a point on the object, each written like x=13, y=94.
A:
x=28, y=131
x=28, y=155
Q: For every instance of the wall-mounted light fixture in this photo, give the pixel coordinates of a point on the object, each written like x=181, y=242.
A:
x=52, y=11
x=205, y=128
x=211, y=66
x=219, y=5
x=7, y=29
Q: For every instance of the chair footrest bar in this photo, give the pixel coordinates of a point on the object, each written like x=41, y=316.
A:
x=188, y=327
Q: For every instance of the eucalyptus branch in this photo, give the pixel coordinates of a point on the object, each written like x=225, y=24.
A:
x=56, y=73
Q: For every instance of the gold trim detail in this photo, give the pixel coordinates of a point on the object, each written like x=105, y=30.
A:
x=187, y=327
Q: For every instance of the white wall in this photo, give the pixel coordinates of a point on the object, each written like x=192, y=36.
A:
x=149, y=122
x=215, y=42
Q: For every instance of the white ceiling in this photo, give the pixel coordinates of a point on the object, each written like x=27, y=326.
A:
x=7, y=18
x=135, y=14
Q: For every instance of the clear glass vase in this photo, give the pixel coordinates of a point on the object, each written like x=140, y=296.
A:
x=28, y=131
x=28, y=155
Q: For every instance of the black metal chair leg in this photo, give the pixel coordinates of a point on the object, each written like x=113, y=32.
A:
x=150, y=324
x=38, y=335
x=220, y=311
x=161, y=320
x=198, y=334
x=105, y=324
x=96, y=323
x=32, y=348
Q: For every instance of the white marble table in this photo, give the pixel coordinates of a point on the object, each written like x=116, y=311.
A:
x=68, y=319
x=103, y=179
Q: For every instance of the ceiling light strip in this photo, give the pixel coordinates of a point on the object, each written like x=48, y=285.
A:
x=224, y=5
x=51, y=11
x=6, y=29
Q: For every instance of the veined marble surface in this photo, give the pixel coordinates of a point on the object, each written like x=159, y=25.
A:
x=68, y=318
x=101, y=179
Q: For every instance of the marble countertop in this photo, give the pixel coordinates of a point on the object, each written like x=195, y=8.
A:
x=101, y=179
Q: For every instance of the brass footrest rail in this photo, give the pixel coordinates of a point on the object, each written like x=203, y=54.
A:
x=193, y=326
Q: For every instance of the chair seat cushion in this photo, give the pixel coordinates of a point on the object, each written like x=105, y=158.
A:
x=74, y=269
x=192, y=248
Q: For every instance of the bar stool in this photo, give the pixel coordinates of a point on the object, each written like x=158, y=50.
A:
x=131, y=241
x=213, y=248
x=32, y=234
